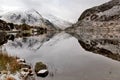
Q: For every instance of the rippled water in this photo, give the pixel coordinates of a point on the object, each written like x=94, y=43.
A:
x=65, y=57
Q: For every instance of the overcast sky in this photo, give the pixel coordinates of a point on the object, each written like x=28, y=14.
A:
x=69, y=10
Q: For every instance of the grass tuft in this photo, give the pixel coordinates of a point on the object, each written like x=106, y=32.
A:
x=8, y=62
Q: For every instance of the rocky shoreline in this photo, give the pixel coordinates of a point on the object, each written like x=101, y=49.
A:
x=14, y=68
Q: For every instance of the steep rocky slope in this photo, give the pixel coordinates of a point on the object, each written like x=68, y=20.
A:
x=98, y=28
x=62, y=24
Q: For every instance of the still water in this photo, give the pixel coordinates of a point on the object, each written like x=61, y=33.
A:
x=65, y=57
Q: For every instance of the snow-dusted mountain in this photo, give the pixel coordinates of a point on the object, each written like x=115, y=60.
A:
x=30, y=17
x=57, y=21
x=18, y=17
x=108, y=12
x=34, y=18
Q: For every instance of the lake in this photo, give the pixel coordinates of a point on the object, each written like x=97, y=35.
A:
x=64, y=56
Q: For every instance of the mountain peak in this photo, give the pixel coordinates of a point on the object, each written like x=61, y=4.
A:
x=33, y=18
x=57, y=21
x=30, y=17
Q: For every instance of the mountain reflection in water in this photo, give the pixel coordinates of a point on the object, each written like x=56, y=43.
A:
x=103, y=41
x=66, y=59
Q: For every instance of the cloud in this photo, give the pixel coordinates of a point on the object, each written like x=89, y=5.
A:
x=69, y=10
x=12, y=4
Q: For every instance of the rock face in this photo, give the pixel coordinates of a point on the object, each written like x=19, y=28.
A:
x=3, y=38
x=105, y=12
x=6, y=26
x=108, y=13
x=98, y=29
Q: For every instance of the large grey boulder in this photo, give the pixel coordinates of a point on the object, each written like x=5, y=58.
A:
x=41, y=69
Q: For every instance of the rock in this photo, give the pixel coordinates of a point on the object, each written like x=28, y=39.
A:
x=30, y=72
x=101, y=15
x=4, y=72
x=7, y=77
x=42, y=73
x=11, y=37
x=41, y=69
x=11, y=26
x=22, y=70
x=3, y=38
x=6, y=26
x=21, y=60
x=26, y=72
x=107, y=10
x=39, y=66
x=25, y=66
x=22, y=64
x=10, y=78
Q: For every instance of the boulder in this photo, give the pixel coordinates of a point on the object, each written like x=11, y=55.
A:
x=41, y=69
x=42, y=73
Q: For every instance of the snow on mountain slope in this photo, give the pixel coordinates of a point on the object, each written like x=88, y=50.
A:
x=57, y=21
x=30, y=17
x=34, y=18
x=19, y=17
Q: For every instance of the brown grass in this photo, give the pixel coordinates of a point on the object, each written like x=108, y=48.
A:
x=10, y=78
x=7, y=59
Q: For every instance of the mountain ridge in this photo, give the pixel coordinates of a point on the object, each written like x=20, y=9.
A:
x=34, y=18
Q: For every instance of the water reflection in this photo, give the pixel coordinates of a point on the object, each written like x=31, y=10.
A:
x=69, y=57
x=19, y=66
x=99, y=40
